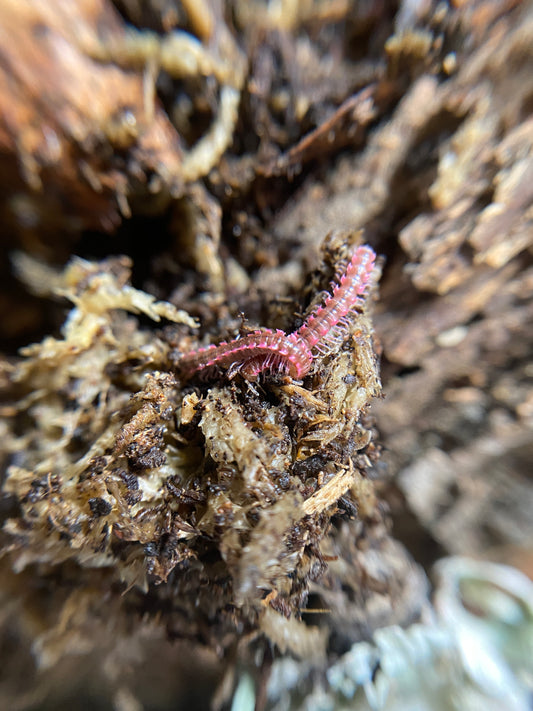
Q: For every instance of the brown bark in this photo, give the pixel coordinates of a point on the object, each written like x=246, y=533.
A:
x=141, y=507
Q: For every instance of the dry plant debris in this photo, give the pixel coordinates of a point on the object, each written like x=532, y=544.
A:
x=218, y=145
x=219, y=494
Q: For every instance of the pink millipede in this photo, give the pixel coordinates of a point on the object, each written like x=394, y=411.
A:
x=330, y=318
x=291, y=354
x=253, y=353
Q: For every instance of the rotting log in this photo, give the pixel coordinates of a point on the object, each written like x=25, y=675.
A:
x=225, y=515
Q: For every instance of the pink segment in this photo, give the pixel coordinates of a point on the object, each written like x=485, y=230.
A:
x=291, y=354
x=258, y=351
x=346, y=296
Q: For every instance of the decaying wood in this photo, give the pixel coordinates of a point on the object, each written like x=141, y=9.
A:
x=238, y=154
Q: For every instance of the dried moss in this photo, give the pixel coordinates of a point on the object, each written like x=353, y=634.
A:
x=124, y=469
x=240, y=517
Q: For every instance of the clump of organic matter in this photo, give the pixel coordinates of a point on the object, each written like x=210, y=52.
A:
x=212, y=497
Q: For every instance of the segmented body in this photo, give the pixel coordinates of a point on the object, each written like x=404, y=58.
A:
x=291, y=354
x=254, y=353
x=327, y=323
